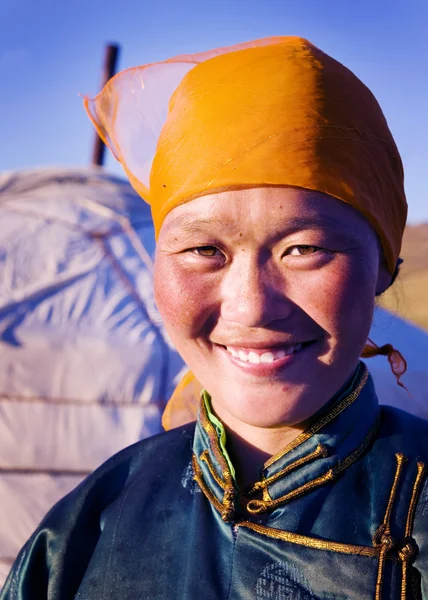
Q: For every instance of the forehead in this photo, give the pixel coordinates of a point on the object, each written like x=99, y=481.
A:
x=264, y=209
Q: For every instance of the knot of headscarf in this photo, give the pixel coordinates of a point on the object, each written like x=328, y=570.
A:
x=396, y=360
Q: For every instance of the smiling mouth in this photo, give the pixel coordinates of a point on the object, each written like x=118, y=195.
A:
x=264, y=356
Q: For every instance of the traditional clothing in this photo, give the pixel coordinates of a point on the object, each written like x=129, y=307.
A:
x=347, y=505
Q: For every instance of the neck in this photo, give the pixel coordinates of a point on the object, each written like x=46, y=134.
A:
x=248, y=457
x=249, y=447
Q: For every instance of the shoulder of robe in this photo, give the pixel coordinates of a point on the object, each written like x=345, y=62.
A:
x=53, y=561
x=112, y=478
x=404, y=433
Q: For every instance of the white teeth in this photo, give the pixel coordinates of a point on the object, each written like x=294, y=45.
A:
x=242, y=356
x=268, y=357
x=253, y=358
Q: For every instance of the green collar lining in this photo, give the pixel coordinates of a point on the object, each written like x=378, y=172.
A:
x=221, y=432
x=219, y=427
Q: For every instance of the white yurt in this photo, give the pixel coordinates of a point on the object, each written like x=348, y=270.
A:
x=85, y=366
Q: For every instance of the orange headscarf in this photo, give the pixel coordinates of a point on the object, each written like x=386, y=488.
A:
x=273, y=112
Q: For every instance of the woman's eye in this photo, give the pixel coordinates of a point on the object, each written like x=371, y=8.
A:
x=207, y=251
x=302, y=250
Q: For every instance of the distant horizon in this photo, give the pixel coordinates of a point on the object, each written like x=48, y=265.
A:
x=120, y=174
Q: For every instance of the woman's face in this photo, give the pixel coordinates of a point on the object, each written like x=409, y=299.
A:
x=268, y=295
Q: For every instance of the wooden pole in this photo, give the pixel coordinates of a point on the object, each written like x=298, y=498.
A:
x=109, y=69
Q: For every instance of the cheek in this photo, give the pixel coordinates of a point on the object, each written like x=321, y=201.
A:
x=181, y=298
x=341, y=300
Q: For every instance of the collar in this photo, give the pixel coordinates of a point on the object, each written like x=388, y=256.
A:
x=339, y=435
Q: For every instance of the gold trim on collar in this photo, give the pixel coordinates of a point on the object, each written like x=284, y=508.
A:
x=261, y=506
x=226, y=508
x=256, y=507
x=320, y=451
x=198, y=477
x=323, y=420
x=308, y=542
x=205, y=457
x=214, y=444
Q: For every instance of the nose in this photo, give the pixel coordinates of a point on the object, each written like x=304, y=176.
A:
x=253, y=294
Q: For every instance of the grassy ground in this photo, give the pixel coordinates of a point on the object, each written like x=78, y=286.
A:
x=409, y=296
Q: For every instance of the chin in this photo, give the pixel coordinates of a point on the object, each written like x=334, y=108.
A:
x=269, y=409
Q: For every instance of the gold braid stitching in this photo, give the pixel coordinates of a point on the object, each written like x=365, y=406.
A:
x=415, y=494
x=266, y=496
x=227, y=507
x=347, y=462
x=383, y=538
x=256, y=507
x=380, y=571
x=229, y=495
x=308, y=542
x=198, y=477
x=205, y=457
x=408, y=551
x=212, y=434
x=320, y=450
x=228, y=503
x=404, y=576
x=401, y=459
x=228, y=487
x=260, y=506
x=324, y=420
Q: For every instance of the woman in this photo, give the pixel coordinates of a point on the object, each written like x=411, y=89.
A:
x=277, y=196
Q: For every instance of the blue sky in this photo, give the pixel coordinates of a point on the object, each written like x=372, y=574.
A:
x=50, y=50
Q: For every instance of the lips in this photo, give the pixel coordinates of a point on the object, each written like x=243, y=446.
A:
x=266, y=355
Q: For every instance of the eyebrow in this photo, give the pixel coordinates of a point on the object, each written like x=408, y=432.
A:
x=314, y=222
x=189, y=226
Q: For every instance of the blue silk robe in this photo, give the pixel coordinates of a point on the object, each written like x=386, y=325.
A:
x=345, y=509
